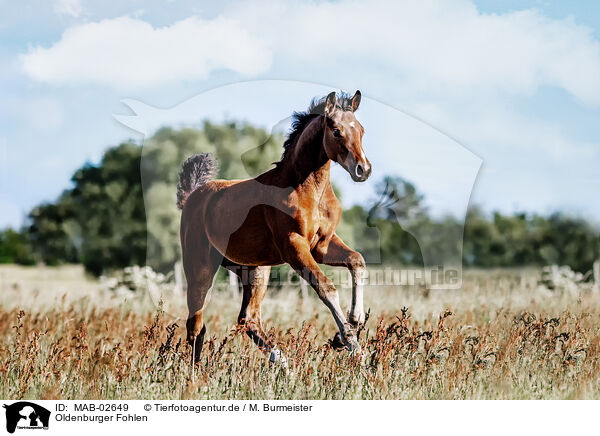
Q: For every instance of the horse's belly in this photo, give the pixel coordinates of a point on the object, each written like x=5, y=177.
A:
x=244, y=238
x=248, y=249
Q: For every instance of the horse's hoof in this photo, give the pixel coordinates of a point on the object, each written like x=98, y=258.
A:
x=337, y=343
x=277, y=357
x=350, y=343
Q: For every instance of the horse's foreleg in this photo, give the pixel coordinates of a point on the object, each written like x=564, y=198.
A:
x=336, y=253
x=298, y=254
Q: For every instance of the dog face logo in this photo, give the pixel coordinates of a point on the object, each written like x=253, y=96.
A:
x=26, y=415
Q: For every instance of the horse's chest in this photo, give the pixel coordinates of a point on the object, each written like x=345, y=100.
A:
x=322, y=222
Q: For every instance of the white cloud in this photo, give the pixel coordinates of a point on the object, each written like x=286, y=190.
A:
x=430, y=45
x=68, y=7
x=129, y=52
x=433, y=45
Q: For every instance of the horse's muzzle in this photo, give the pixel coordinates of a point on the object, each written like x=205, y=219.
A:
x=362, y=171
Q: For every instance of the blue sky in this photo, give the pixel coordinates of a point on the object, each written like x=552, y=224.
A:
x=517, y=83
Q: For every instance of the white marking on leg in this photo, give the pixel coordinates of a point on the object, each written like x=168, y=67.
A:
x=357, y=314
x=276, y=357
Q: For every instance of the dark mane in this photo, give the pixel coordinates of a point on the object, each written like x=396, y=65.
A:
x=301, y=119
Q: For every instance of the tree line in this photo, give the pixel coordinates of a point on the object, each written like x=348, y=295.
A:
x=121, y=212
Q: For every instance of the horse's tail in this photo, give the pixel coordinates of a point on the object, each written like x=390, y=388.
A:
x=195, y=172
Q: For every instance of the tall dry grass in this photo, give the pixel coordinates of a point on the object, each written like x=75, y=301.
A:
x=501, y=336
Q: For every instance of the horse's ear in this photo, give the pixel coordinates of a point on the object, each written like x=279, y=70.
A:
x=330, y=103
x=356, y=100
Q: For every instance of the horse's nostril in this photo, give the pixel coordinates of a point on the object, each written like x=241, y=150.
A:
x=359, y=170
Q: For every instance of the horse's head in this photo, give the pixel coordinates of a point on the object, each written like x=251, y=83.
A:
x=342, y=139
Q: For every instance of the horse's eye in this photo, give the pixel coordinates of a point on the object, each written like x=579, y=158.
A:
x=337, y=133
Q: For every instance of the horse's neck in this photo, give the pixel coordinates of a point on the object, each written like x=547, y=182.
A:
x=310, y=164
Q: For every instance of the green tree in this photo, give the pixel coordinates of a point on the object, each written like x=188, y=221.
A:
x=54, y=231
x=15, y=247
x=109, y=208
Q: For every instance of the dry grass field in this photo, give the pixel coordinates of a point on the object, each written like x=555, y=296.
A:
x=501, y=337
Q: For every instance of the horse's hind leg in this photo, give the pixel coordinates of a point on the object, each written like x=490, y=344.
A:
x=199, y=274
x=254, y=282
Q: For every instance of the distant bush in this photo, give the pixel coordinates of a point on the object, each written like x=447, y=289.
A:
x=15, y=247
x=523, y=239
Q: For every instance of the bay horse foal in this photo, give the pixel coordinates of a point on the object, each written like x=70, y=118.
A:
x=286, y=215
